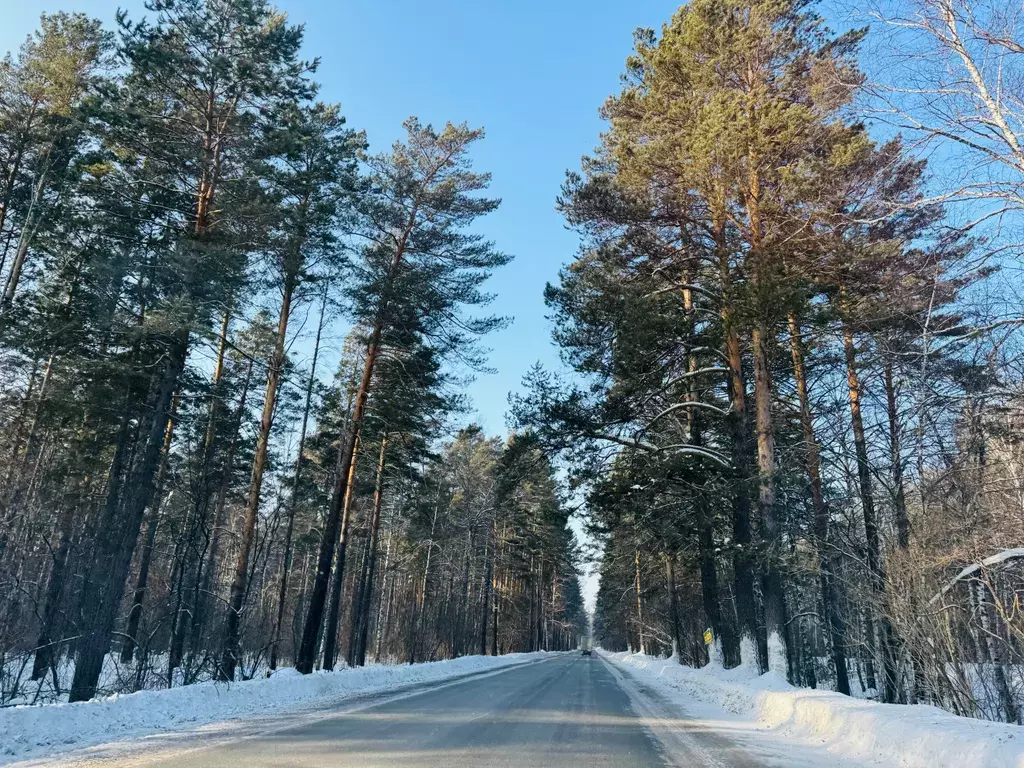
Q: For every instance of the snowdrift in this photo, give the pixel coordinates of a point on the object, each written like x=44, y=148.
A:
x=883, y=734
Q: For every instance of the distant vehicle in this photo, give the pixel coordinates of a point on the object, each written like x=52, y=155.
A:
x=587, y=646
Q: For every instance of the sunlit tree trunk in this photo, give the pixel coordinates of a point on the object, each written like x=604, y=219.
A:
x=753, y=648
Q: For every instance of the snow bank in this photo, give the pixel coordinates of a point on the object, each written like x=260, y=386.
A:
x=32, y=731
x=884, y=734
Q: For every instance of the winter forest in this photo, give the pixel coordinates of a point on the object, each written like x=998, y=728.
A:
x=236, y=334
x=187, y=494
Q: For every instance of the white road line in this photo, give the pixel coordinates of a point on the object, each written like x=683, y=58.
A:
x=679, y=748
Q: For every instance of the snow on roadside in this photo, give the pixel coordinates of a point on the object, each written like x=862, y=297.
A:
x=46, y=729
x=916, y=736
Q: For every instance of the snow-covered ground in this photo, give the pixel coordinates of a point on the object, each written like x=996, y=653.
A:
x=17, y=687
x=848, y=729
x=970, y=684
x=47, y=729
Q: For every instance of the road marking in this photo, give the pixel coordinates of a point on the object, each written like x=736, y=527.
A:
x=677, y=747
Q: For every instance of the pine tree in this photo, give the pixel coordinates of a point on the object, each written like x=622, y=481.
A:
x=199, y=80
x=422, y=197
x=311, y=192
x=745, y=128
x=43, y=129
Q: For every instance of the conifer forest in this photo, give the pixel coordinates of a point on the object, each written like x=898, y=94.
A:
x=787, y=425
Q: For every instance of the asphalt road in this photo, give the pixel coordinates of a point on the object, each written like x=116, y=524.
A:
x=566, y=711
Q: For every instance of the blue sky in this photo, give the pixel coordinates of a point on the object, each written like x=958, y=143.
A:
x=533, y=73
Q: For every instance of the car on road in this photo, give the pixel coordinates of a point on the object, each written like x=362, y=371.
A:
x=587, y=646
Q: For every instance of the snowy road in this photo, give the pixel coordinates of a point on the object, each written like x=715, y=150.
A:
x=568, y=710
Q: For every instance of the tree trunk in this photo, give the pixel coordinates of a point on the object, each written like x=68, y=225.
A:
x=367, y=598
x=17, y=155
x=871, y=535
x=208, y=573
x=554, y=609
x=44, y=656
x=239, y=583
x=531, y=646
x=334, y=524
x=19, y=432
x=485, y=615
x=218, y=375
x=419, y=604
x=495, y=600
x=725, y=649
x=639, y=602
x=121, y=532
x=762, y=341
x=45, y=642
x=386, y=599
x=673, y=605
x=293, y=499
x=332, y=627
x=177, y=592
x=896, y=459
x=356, y=605
x=822, y=515
x=753, y=648
x=771, y=587
x=141, y=584
x=458, y=633
x=31, y=439
x=539, y=589
x=201, y=506
x=33, y=218
x=318, y=596
x=981, y=592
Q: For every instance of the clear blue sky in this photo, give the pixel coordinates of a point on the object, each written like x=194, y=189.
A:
x=532, y=72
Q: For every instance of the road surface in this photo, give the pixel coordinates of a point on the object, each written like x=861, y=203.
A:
x=568, y=710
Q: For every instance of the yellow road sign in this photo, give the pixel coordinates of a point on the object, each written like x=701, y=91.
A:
x=707, y=637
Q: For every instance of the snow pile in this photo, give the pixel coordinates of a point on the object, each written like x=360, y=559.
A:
x=883, y=734
x=28, y=731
